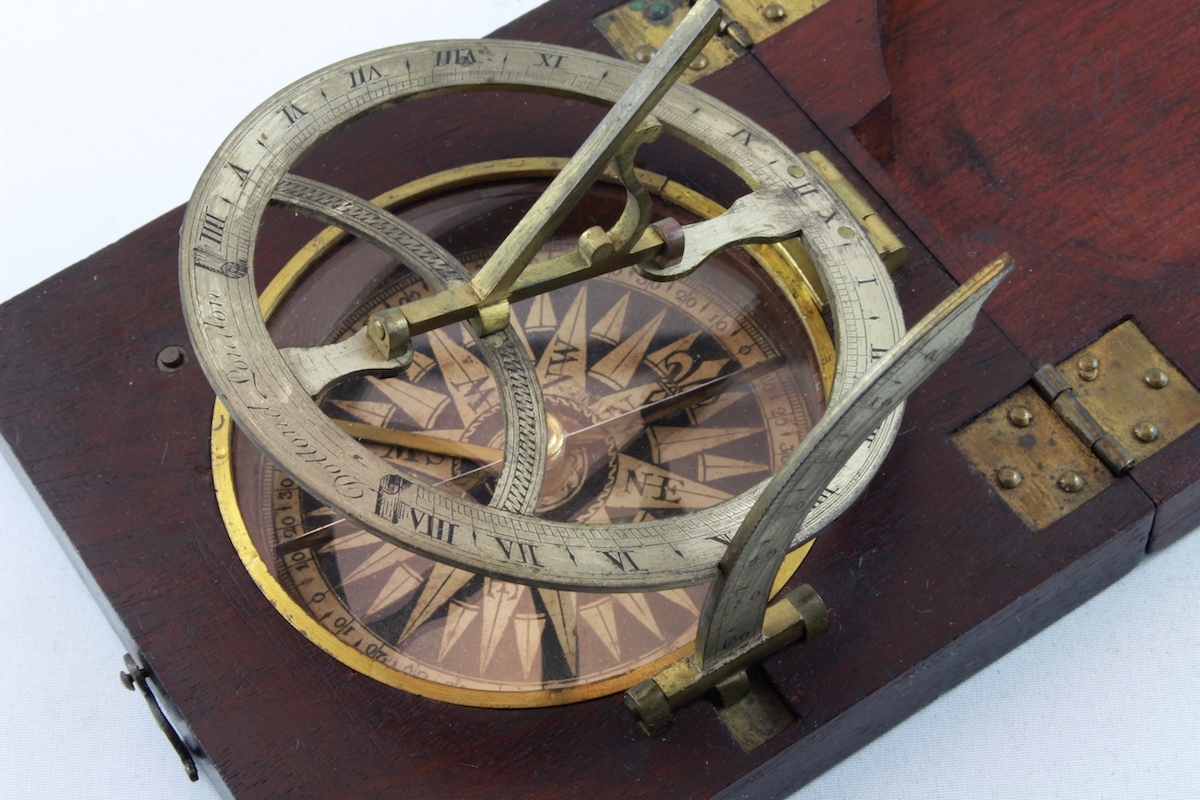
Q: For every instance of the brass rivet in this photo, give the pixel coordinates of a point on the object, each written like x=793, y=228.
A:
x=1070, y=482
x=1020, y=416
x=1088, y=365
x=1008, y=477
x=657, y=12
x=796, y=171
x=171, y=358
x=1146, y=431
x=699, y=63
x=643, y=54
x=846, y=233
x=774, y=12
x=1157, y=378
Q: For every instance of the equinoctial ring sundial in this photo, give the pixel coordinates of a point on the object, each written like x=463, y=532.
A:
x=606, y=417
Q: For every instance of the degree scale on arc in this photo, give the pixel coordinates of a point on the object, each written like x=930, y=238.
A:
x=154, y=745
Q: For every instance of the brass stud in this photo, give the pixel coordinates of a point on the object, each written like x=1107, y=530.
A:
x=1071, y=482
x=774, y=12
x=171, y=358
x=699, y=62
x=1008, y=477
x=643, y=54
x=1157, y=378
x=1020, y=416
x=846, y=232
x=1146, y=431
x=556, y=439
x=1089, y=366
x=796, y=171
x=657, y=12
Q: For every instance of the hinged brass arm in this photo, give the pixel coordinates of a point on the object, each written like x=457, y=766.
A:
x=737, y=626
x=762, y=217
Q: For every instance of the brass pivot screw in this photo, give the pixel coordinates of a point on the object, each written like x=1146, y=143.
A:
x=649, y=706
x=643, y=54
x=1020, y=416
x=389, y=332
x=1009, y=477
x=1088, y=366
x=1071, y=482
x=699, y=63
x=1146, y=431
x=1157, y=378
x=774, y=12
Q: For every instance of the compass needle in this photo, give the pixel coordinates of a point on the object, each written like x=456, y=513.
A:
x=417, y=441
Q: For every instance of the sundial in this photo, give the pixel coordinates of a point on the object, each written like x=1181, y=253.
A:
x=617, y=296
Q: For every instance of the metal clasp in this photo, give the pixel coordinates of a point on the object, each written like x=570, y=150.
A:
x=138, y=676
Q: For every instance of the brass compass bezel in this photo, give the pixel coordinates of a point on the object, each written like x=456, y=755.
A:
x=776, y=262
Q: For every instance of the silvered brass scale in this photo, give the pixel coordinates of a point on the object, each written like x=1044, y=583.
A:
x=737, y=544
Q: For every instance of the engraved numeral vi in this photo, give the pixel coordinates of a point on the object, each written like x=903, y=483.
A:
x=621, y=560
x=293, y=112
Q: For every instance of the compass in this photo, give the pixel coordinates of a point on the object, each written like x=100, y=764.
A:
x=684, y=444
x=279, y=83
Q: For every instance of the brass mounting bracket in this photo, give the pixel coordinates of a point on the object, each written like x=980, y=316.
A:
x=636, y=29
x=747, y=704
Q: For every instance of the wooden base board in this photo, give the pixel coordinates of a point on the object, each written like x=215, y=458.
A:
x=1103, y=562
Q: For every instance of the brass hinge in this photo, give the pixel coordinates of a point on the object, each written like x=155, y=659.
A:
x=1080, y=425
x=636, y=29
x=887, y=244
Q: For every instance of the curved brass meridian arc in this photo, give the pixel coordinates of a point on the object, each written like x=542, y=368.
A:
x=737, y=627
x=737, y=602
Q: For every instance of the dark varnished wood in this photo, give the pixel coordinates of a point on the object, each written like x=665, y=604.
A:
x=929, y=578
x=1066, y=141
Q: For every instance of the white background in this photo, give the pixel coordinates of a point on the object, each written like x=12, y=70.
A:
x=110, y=111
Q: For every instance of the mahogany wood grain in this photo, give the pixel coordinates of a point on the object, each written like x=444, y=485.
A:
x=928, y=578
x=1067, y=141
